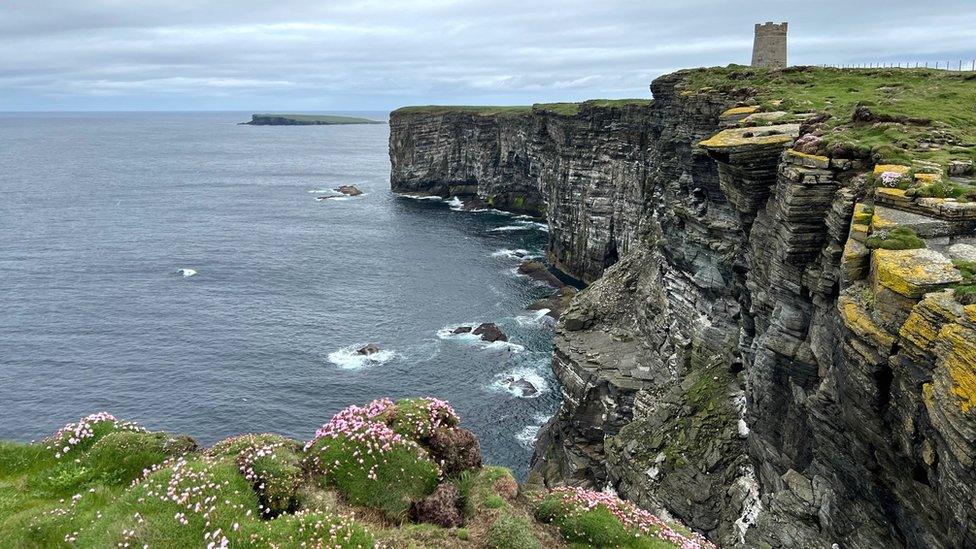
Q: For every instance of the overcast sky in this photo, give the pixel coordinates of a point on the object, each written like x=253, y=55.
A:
x=322, y=55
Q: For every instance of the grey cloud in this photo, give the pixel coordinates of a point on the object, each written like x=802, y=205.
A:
x=366, y=54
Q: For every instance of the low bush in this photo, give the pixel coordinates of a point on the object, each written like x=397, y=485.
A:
x=510, y=532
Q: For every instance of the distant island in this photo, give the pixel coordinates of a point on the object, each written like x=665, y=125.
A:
x=306, y=120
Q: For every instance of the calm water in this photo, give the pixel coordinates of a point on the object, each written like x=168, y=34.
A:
x=98, y=212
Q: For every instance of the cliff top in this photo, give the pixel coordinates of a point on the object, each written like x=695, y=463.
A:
x=892, y=115
x=565, y=109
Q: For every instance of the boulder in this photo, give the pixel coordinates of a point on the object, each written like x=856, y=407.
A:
x=348, y=190
x=369, y=349
x=455, y=449
x=441, y=508
x=462, y=330
x=522, y=385
x=490, y=332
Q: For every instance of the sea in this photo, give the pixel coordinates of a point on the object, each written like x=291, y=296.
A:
x=185, y=272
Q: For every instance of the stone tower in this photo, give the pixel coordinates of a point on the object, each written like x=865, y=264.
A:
x=769, y=49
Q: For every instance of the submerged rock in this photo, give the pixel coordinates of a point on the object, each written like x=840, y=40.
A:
x=462, y=330
x=490, y=332
x=555, y=303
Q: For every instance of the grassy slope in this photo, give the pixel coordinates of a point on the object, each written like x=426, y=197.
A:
x=119, y=484
x=947, y=99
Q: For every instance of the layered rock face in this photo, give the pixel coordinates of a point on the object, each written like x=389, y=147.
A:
x=584, y=172
x=746, y=363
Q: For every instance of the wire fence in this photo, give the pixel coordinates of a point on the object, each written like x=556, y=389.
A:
x=958, y=65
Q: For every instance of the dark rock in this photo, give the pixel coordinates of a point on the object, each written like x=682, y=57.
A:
x=455, y=449
x=556, y=303
x=369, y=349
x=441, y=508
x=462, y=330
x=522, y=385
x=490, y=332
x=349, y=190
x=537, y=270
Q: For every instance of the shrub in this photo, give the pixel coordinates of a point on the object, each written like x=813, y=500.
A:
x=899, y=238
x=510, y=532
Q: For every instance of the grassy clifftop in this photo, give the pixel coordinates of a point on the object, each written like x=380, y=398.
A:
x=565, y=109
x=389, y=474
x=892, y=115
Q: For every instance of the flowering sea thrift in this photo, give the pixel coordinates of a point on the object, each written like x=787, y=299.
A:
x=891, y=179
x=632, y=517
x=73, y=434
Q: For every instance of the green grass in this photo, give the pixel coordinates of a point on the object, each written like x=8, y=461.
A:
x=899, y=238
x=944, y=98
x=510, y=532
x=595, y=527
x=401, y=474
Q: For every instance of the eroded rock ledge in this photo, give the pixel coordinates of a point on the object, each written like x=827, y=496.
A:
x=752, y=360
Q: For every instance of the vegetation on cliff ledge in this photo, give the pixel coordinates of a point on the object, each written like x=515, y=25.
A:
x=388, y=474
x=886, y=114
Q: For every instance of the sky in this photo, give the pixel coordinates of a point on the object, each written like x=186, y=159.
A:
x=335, y=55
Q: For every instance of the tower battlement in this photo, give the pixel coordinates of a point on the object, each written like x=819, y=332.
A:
x=769, y=48
x=772, y=28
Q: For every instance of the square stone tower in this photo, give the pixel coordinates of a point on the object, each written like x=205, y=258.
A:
x=769, y=48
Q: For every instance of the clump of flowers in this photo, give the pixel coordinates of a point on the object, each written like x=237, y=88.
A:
x=891, y=179
x=371, y=463
x=564, y=505
x=73, y=435
x=419, y=418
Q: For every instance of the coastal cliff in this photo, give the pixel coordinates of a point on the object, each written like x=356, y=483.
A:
x=777, y=346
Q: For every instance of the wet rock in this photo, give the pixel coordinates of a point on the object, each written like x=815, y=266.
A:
x=441, y=508
x=538, y=270
x=462, y=330
x=522, y=386
x=348, y=190
x=369, y=349
x=490, y=332
x=455, y=449
x=556, y=303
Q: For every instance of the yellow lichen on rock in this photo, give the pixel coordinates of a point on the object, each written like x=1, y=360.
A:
x=782, y=134
x=860, y=215
x=914, y=273
x=928, y=178
x=893, y=168
x=740, y=111
x=961, y=364
x=859, y=322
